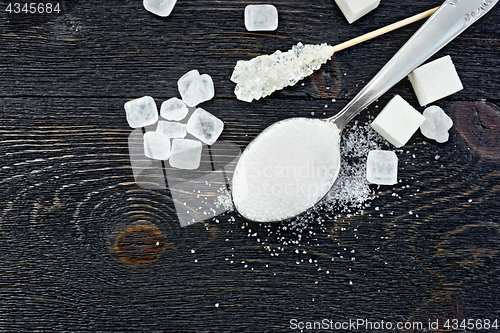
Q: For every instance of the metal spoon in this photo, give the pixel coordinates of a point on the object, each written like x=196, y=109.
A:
x=264, y=191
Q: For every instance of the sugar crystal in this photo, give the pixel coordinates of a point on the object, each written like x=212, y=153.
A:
x=141, y=112
x=186, y=154
x=205, y=126
x=159, y=7
x=436, y=124
x=261, y=76
x=173, y=130
x=156, y=145
x=261, y=18
x=195, y=88
x=382, y=167
x=173, y=109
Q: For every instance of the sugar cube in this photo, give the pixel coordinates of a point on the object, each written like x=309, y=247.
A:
x=355, y=9
x=186, y=154
x=141, y=112
x=173, y=109
x=398, y=121
x=156, y=145
x=172, y=129
x=382, y=167
x=261, y=18
x=436, y=124
x=159, y=7
x=435, y=80
x=205, y=126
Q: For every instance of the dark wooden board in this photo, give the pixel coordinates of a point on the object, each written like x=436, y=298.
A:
x=74, y=225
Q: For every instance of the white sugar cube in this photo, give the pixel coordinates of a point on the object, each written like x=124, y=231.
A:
x=159, y=7
x=205, y=126
x=141, y=112
x=186, y=154
x=398, y=121
x=173, y=109
x=172, y=129
x=156, y=145
x=195, y=88
x=382, y=167
x=355, y=9
x=436, y=124
x=435, y=80
x=261, y=18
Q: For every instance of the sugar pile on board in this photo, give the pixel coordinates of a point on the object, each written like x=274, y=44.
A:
x=185, y=154
x=352, y=190
x=382, y=167
x=195, y=88
x=436, y=124
x=141, y=112
x=261, y=18
x=173, y=109
x=156, y=145
x=173, y=130
x=205, y=126
x=159, y=7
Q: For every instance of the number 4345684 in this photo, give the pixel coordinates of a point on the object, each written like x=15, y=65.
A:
x=32, y=8
x=471, y=324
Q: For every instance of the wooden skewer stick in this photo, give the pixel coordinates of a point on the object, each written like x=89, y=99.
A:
x=384, y=30
x=255, y=79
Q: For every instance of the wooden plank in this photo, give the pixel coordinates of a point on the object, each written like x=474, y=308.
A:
x=69, y=193
x=83, y=247
x=126, y=51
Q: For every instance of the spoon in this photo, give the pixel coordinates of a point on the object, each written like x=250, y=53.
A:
x=293, y=163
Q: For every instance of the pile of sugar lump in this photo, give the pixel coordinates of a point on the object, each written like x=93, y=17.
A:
x=168, y=142
x=398, y=121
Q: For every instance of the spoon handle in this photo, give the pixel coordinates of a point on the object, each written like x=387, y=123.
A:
x=451, y=18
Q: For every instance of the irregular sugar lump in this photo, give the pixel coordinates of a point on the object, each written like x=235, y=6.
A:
x=382, y=167
x=209, y=86
x=186, y=154
x=159, y=7
x=435, y=80
x=436, y=124
x=156, y=145
x=195, y=88
x=355, y=9
x=141, y=112
x=173, y=109
x=205, y=126
x=261, y=18
x=172, y=129
x=398, y=121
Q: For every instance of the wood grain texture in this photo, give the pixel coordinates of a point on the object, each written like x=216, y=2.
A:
x=426, y=248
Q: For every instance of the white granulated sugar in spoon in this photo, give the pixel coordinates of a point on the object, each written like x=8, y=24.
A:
x=264, y=190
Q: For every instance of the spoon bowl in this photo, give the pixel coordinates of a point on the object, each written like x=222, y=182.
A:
x=287, y=169
x=293, y=163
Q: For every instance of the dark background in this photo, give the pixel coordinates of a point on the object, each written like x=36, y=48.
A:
x=78, y=236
